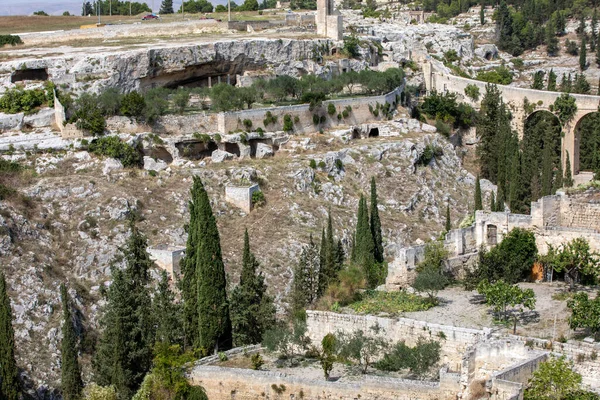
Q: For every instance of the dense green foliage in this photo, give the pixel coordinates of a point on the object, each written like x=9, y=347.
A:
x=589, y=142
x=511, y=260
x=167, y=312
x=10, y=387
x=331, y=258
x=305, y=286
x=287, y=339
x=478, y=198
x=375, y=224
x=252, y=310
x=12, y=40
x=585, y=312
x=197, y=6
x=553, y=380
x=214, y=324
x=20, y=100
x=576, y=260
x=418, y=360
x=363, y=252
x=393, y=303
x=364, y=348
x=124, y=353
x=501, y=295
x=115, y=7
x=71, y=383
x=166, y=7
x=444, y=107
x=500, y=76
x=112, y=146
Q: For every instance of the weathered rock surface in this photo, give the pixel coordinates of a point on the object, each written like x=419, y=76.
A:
x=218, y=156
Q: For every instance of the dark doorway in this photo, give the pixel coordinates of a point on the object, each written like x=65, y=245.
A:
x=33, y=74
x=374, y=132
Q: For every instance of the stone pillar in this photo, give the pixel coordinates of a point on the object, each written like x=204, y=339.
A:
x=219, y=79
x=209, y=82
x=228, y=79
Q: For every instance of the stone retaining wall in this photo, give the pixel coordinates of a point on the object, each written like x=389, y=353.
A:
x=233, y=121
x=455, y=340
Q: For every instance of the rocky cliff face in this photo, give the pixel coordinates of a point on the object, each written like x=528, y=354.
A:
x=171, y=65
x=75, y=219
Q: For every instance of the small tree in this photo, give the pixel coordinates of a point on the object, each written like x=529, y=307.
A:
x=361, y=347
x=568, y=178
x=482, y=15
x=329, y=344
x=166, y=7
x=501, y=295
x=554, y=380
x=585, y=312
x=287, y=340
x=472, y=92
x=574, y=259
x=478, y=197
x=565, y=107
x=448, y=225
x=538, y=80
x=583, y=55
x=551, y=81
x=71, y=383
x=430, y=281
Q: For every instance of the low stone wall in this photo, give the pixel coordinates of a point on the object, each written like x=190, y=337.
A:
x=256, y=25
x=233, y=121
x=243, y=384
x=455, y=339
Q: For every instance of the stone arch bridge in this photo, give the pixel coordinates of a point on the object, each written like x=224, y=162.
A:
x=437, y=78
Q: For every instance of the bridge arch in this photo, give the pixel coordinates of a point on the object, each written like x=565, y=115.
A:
x=586, y=157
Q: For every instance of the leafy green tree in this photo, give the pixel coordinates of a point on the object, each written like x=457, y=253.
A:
x=167, y=312
x=375, y=224
x=585, y=312
x=214, y=324
x=430, y=282
x=114, y=147
x=582, y=86
x=252, y=310
x=362, y=348
x=287, y=340
x=551, y=81
x=583, y=55
x=538, y=80
x=87, y=9
x=565, y=107
x=305, y=285
x=575, y=259
x=553, y=380
x=71, y=383
x=501, y=295
x=249, y=5
x=124, y=353
x=10, y=387
x=418, y=359
x=133, y=105
x=327, y=358
x=181, y=99
x=166, y=7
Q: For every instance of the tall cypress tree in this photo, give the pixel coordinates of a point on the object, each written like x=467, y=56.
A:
x=323, y=273
x=71, y=383
x=168, y=313
x=124, y=352
x=594, y=34
x=478, y=197
x=551, y=80
x=188, y=283
x=515, y=199
x=448, y=222
x=500, y=201
x=328, y=268
x=375, y=224
x=252, y=310
x=10, y=386
x=568, y=179
x=482, y=15
x=504, y=26
x=214, y=324
x=305, y=284
x=364, y=245
x=493, y=202
x=166, y=7
x=598, y=49
x=583, y=55
x=551, y=40
x=538, y=80
x=340, y=256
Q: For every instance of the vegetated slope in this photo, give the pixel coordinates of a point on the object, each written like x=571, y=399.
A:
x=77, y=218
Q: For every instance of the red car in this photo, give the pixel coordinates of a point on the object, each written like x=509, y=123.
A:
x=150, y=16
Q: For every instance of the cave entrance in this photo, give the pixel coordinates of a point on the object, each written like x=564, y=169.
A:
x=374, y=132
x=196, y=150
x=489, y=55
x=29, y=74
x=355, y=133
x=254, y=143
x=160, y=153
x=232, y=148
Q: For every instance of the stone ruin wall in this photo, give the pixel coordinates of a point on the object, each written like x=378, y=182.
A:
x=243, y=384
x=233, y=121
x=456, y=342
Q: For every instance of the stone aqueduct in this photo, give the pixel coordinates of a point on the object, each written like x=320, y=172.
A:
x=436, y=78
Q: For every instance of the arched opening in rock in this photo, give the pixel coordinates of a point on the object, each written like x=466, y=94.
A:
x=232, y=148
x=587, y=144
x=160, y=153
x=489, y=55
x=196, y=150
x=29, y=74
x=356, y=132
x=199, y=75
x=374, y=132
x=254, y=143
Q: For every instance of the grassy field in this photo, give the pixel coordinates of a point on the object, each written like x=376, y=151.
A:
x=34, y=23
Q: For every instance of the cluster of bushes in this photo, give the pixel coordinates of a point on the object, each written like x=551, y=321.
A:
x=112, y=146
x=445, y=108
x=12, y=40
x=500, y=76
x=20, y=100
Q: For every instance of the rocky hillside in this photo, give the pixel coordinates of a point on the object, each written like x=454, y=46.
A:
x=73, y=219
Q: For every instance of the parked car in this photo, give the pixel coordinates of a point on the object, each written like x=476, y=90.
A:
x=149, y=17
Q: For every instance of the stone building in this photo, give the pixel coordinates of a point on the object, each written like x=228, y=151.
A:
x=554, y=220
x=329, y=21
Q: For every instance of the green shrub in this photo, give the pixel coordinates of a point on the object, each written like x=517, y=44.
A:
x=223, y=356
x=19, y=100
x=442, y=128
x=418, y=359
x=269, y=119
x=247, y=124
x=133, y=105
x=316, y=119
x=472, y=92
x=312, y=163
x=288, y=125
x=331, y=109
x=12, y=40
x=152, y=173
x=322, y=164
x=258, y=199
x=296, y=119
x=429, y=153
x=499, y=76
x=257, y=361
x=112, y=146
x=339, y=164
